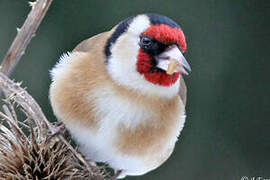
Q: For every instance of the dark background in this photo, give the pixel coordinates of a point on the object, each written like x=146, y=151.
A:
x=227, y=132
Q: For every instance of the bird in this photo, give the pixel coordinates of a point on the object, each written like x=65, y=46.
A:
x=114, y=94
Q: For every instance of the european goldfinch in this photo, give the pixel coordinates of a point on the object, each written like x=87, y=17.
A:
x=115, y=97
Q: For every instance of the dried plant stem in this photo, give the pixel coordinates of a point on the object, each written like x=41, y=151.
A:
x=25, y=34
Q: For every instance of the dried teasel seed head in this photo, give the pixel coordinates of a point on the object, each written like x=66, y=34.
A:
x=29, y=147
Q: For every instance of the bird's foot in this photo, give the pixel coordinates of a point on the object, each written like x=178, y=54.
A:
x=60, y=129
x=117, y=175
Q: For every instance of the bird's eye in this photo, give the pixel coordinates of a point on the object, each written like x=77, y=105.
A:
x=145, y=42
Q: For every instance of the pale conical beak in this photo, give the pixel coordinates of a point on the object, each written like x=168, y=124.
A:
x=173, y=53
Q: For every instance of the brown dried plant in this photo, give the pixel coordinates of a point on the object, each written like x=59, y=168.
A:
x=31, y=147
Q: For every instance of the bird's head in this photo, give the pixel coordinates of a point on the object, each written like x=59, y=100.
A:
x=140, y=50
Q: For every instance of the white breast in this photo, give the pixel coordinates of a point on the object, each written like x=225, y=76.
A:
x=99, y=146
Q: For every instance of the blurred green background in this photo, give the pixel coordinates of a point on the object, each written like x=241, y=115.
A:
x=227, y=132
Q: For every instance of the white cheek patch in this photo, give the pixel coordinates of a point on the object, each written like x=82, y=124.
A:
x=126, y=48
